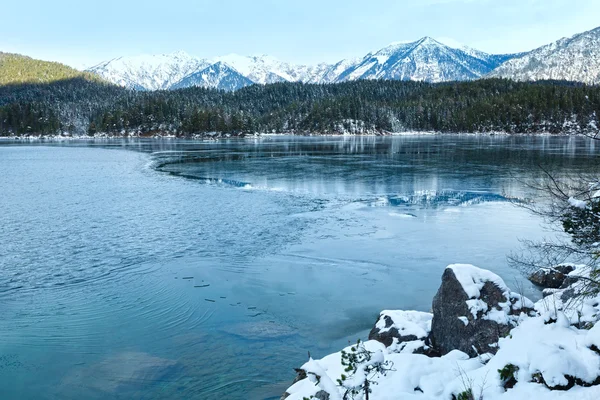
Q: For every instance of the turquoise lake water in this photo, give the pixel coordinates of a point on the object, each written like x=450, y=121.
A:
x=207, y=270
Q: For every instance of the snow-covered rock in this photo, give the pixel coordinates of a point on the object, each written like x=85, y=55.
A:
x=403, y=331
x=552, y=278
x=472, y=310
x=574, y=301
x=540, y=357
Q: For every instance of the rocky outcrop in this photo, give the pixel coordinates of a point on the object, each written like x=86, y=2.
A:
x=470, y=311
x=552, y=278
x=554, y=342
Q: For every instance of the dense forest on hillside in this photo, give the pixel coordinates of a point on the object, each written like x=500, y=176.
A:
x=18, y=69
x=86, y=106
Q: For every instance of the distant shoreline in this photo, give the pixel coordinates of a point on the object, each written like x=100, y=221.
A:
x=259, y=135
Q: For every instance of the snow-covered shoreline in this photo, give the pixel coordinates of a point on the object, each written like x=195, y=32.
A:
x=281, y=134
x=519, y=350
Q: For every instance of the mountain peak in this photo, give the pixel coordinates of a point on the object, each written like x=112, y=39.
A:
x=428, y=41
x=571, y=59
x=219, y=75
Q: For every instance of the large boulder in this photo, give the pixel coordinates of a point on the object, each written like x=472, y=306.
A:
x=551, y=278
x=472, y=310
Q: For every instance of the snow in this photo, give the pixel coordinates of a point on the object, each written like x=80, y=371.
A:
x=556, y=350
x=553, y=350
x=402, y=215
x=149, y=72
x=219, y=75
x=472, y=279
x=476, y=306
x=424, y=60
x=573, y=202
x=519, y=301
x=407, y=323
x=573, y=59
x=585, y=309
x=265, y=69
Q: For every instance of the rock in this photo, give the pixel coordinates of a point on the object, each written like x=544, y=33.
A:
x=521, y=304
x=387, y=334
x=322, y=395
x=260, y=330
x=552, y=278
x=122, y=373
x=300, y=375
x=471, y=311
x=403, y=331
x=569, y=281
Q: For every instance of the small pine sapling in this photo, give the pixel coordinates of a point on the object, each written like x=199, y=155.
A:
x=361, y=367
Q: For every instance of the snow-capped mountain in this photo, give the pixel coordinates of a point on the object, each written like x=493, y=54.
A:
x=218, y=75
x=149, y=72
x=333, y=72
x=573, y=59
x=265, y=69
x=424, y=60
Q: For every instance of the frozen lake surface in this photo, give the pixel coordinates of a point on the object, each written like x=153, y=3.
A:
x=185, y=269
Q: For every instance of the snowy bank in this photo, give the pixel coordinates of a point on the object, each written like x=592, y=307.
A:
x=481, y=341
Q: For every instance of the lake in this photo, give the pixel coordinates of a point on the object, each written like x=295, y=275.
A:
x=156, y=268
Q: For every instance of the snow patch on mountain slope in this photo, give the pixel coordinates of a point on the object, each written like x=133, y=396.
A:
x=149, y=72
x=265, y=69
x=219, y=76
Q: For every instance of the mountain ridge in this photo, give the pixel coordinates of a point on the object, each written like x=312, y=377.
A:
x=576, y=58
x=434, y=62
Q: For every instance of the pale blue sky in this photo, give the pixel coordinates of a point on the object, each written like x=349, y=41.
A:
x=83, y=33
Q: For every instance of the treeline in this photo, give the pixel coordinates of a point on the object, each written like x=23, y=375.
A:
x=82, y=106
